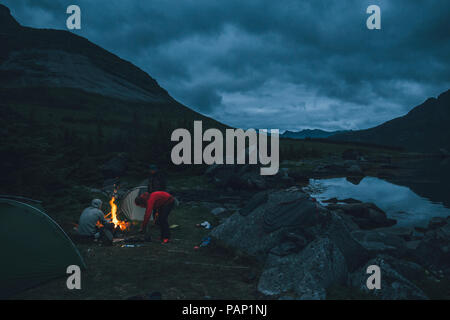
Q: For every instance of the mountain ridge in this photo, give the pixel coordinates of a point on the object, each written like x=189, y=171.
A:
x=309, y=133
x=57, y=58
x=424, y=128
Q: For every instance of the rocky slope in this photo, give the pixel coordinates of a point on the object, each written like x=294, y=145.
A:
x=56, y=58
x=424, y=128
x=306, y=248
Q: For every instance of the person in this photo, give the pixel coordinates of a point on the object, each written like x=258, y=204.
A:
x=87, y=226
x=160, y=203
x=156, y=180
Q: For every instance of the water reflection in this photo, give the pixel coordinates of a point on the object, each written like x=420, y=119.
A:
x=399, y=202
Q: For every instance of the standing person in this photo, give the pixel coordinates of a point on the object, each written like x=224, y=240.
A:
x=87, y=226
x=156, y=180
x=160, y=203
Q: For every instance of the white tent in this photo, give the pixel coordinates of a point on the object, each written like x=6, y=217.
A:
x=129, y=208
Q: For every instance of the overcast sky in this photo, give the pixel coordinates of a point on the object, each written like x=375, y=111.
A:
x=273, y=64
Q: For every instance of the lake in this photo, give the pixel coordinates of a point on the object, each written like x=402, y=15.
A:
x=399, y=202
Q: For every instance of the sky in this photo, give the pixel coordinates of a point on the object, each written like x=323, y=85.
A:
x=287, y=65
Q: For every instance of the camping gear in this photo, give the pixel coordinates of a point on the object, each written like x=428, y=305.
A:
x=129, y=208
x=34, y=248
x=205, y=242
x=204, y=224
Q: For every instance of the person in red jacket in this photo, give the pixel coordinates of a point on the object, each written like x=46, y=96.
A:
x=160, y=203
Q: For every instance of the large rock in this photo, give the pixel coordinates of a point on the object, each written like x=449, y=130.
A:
x=305, y=246
x=394, y=285
x=255, y=201
x=275, y=220
x=379, y=241
x=259, y=231
x=307, y=274
x=434, y=249
x=365, y=215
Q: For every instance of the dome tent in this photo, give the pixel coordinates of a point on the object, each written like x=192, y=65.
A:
x=129, y=208
x=34, y=248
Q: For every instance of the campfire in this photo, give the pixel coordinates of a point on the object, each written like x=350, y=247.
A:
x=117, y=223
x=122, y=225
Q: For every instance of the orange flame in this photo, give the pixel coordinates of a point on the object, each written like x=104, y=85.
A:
x=117, y=223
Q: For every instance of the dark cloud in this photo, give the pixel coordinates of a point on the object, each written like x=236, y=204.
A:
x=282, y=64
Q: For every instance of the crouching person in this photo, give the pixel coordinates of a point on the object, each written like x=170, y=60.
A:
x=160, y=203
x=87, y=226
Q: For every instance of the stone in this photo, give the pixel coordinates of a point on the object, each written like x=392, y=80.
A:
x=308, y=274
x=394, y=286
x=365, y=215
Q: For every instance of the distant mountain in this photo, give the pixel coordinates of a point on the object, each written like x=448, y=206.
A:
x=309, y=133
x=426, y=128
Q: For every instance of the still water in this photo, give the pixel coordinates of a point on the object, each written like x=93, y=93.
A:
x=399, y=202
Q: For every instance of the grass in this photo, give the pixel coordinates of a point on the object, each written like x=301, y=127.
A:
x=177, y=270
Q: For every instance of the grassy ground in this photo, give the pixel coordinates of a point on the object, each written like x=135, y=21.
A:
x=176, y=270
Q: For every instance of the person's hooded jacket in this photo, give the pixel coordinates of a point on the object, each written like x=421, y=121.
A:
x=89, y=218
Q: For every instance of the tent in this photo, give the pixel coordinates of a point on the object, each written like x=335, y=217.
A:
x=34, y=248
x=129, y=208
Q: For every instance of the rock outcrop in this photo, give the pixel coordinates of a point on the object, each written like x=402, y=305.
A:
x=365, y=215
x=394, y=286
x=305, y=247
x=434, y=249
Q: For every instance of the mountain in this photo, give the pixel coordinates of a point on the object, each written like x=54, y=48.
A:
x=309, y=133
x=425, y=128
x=57, y=58
x=68, y=106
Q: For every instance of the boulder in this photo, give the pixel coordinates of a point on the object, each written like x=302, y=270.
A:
x=365, y=215
x=287, y=248
x=259, y=231
x=283, y=227
x=282, y=216
x=354, y=179
x=307, y=274
x=255, y=201
x=378, y=242
x=407, y=234
x=394, y=285
x=434, y=249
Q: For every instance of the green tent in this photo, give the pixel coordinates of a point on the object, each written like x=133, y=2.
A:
x=34, y=248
